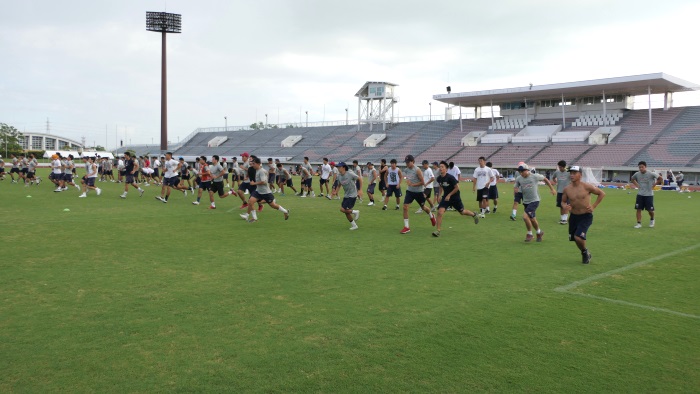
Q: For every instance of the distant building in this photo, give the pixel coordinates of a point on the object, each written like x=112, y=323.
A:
x=43, y=141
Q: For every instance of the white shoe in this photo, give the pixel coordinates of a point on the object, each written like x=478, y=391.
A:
x=419, y=211
x=638, y=225
x=313, y=194
x=82, y=195
x=244, y=216
x=356, y=215
x=141, y=193
x=481, y=215
x=651, y=223
x=370, y=204
x=122, y=195
x=355, y=227
x=99, y=191
x=195, y=202
x=185, y=192
x=77, y=187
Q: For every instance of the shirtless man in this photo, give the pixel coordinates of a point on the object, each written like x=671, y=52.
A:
x=578, y=195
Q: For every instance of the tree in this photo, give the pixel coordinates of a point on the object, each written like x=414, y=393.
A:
x=9, y=139
x=289, y=126
x=257, y=126
x=100, y=148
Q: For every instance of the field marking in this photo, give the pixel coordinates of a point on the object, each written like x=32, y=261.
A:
x=571, y=286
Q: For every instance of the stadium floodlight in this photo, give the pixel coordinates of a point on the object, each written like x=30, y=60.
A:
x=164, y=23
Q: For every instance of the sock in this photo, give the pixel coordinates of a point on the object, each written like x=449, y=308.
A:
x=539, y=231
x=198, y=198
x=515, y=212
x=355, y=211
x=213, y=205
x=529, y=233
x=353, y=223
x=166, y=197
x=563, y=217
x=483, y=210
x=584, y=251
x=125, y=193
x=495, y=207
x=282, y=209
x=639, y=222
x=255, y=215
x=405, y=223
x=431, y=215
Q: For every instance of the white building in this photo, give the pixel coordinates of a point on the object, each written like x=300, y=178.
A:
x=48, y=142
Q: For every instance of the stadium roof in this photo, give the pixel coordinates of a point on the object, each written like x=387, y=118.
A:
x=366, y=86
x=634, y=85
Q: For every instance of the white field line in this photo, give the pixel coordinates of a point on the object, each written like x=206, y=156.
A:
x=571, y=286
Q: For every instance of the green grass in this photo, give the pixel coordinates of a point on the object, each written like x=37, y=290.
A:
x=139, y=296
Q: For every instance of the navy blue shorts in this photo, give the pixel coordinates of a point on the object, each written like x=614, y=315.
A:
x=14, y=170
x=579, y=224
x=30, y=174
x=644, y=203
x=68, y=177
x=348, y=202
x=382, y=185
x=90, y=182
x=428, y=192
x=559, y=195
x=172, y=181
x=531, y=208
x=270, y=178
x=206, y=185
x=493, y=192
x=156, y=173
x=393, y=190
x=518, y=197
x=419, y=197
x=268, y=197
x=307, y=182
x=454, y=202
x=482, y=194
x=247, y=186
x=370, y=188
x=322, y=181
x=290, y=183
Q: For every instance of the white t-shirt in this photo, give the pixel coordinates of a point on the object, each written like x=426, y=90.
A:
x=171, y=168
x=496, y=175
x=325, y=171
x=483, y=177
x=156, y=164
x=455, y=172
x=427, y=176
x=120, y=164
x=56, y=165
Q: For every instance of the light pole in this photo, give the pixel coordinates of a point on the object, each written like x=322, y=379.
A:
x=307, y=118
x=430, y=105
x=346, y=116
x=265, y=120
x=225, y=123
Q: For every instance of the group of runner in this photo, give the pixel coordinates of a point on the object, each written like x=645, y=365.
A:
x=433, y=186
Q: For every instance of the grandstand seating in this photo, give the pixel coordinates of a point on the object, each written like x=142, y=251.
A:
x=673, y=140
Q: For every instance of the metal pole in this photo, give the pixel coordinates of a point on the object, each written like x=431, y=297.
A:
x=225, y=123
x=563, y=113
x=346, y=116
x=461, y=129
x=359, y=105
x=430, y=105
x=492, y=121
x=649, y=95
x=525, y=98
x=605, y=105
x=163, y=100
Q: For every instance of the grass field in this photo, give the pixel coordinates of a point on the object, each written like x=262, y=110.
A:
x=139, y=296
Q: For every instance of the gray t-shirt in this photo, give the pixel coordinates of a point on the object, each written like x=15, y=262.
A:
x=216, y=170
x=528, y=186
x=261, y=176
x=32, y=165
x=646, y=182
x=563, y=180
x=412, y=176
x=347, y=180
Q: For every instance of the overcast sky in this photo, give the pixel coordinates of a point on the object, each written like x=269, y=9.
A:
x=91, y=65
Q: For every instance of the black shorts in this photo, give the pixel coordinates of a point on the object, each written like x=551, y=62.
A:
x=225, y=177
x=267, y=197
x=289, y=182
x=53, y=176
x=370, y=188
x=217, y=187
x=348, y=202
x=531, y=208
x=382, y=185
x=68, y=177
x=24, y=171
x=419, y=197
x=644, y=203
x=336, y=184
x=30, y=174
x=559, y=195
x=14, y=170
x=270, y=178
x=2, y=170
x=482, y=194
x=393, y=190
x=185, y=177
x=428, y=192
x=156, y=173
x=172, y=181
x=307, y=182
x=579, y=224
x=90, y=182
x=122, y=172
x=493, y=192
x=455, y=202
x=246, y=186
x=322, y=181
x=518, y=197
x=206, y=185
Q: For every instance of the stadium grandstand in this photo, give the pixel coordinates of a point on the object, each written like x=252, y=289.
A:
x=48, y=142
x=590, y=123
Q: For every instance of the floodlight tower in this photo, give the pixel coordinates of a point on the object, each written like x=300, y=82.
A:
x=374, y=102
x=164, y=23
